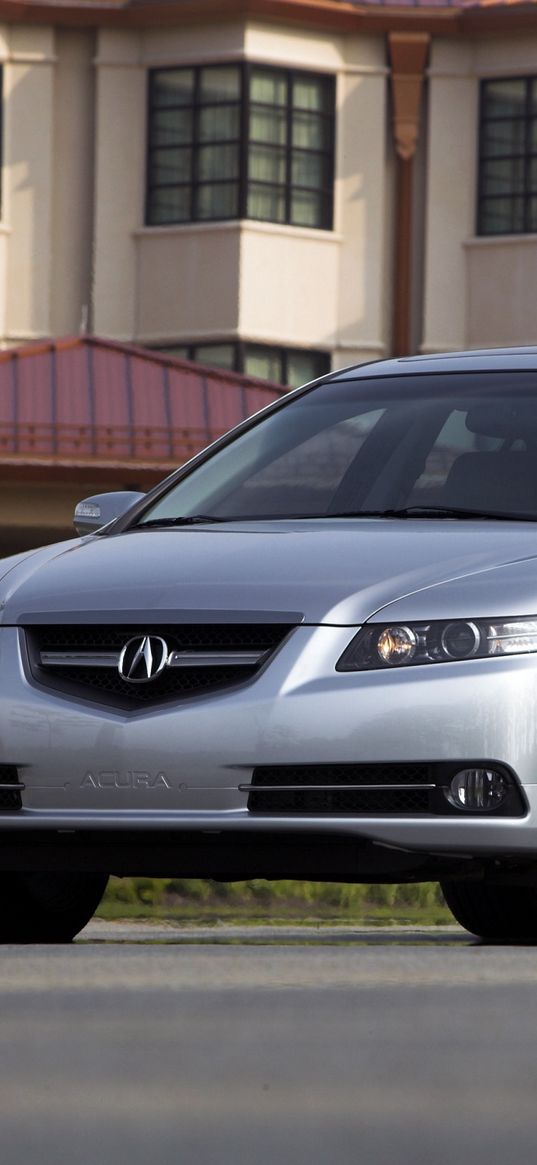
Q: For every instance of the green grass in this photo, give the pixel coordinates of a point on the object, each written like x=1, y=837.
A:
x=197, y=901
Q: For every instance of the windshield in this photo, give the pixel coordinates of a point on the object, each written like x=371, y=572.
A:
x=453, y=441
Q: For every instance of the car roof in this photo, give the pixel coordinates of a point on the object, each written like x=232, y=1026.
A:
x=522, y=359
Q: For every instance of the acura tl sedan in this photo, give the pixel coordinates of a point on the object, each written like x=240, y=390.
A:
x=310, y=653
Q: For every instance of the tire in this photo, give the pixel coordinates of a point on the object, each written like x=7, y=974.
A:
x=47, y=907
x=494, y=912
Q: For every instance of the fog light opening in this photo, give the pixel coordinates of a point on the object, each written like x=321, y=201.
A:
x=477, y=790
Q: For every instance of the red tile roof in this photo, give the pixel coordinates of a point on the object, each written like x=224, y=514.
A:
x=96, y=403
x=336, y=13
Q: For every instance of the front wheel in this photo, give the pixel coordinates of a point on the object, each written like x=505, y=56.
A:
x=47, y=907
x=496, y=913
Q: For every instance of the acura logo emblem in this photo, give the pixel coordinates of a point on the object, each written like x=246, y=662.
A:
x=143, y=659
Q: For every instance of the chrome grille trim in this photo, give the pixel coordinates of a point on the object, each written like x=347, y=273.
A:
x=328, y=788
x=175, y=658
x=84, y=661
x=79, y=658
x=216, y=659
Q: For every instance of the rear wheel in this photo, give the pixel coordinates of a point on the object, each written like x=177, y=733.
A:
x=47, y=907
x=496, y=913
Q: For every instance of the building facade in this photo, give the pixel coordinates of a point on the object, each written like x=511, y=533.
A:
x=274, y=186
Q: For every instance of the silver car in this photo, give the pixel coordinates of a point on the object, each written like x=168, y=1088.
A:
x=311, y=653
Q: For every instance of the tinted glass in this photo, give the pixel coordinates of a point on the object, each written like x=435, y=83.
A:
x=219, y=355
x=267, y=133
x=264, y=363
x=268, y=87
x=172, y=87
x=467, y=441
x=505, y=98
x=220, y=83
x=508, y=148
x=218, y=201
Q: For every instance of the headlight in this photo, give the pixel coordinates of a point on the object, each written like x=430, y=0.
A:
x=393, y=645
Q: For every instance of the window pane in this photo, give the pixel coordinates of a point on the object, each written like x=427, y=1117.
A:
x=533, y=135
x=169, y=206
x=222, y=83
x=218, y=162
x=532, y=215
x=504, y=98
x=178, y=351
x=267, y=125
x=310, y=94
x=266, y=164
x=503, y=177
x=172, y=87
x=502, y=216
x=309, y=131
x=263, y=362
x=218, y=201
x=197, y=139
x=171, y=127
x=168, y=166
x=532, y=175
x=266, y=203
x=220, y=355
x=503, y=137
x=304, y=366
x=268, y=87
x=219, y=123
x=308, y=170
x=306, y=209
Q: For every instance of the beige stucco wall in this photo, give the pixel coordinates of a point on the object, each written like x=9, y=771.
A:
x=289, y=286
x=502, y=291
x=501, y=272
x=28, y=180
x=46, y=228
x=73, y=180
x=479, y=291
x=74, y=251
x=119, y=181
x=451, y=169
x=261, y=282
x=187, y=282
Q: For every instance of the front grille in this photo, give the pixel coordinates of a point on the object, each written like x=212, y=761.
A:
x=362, y=789
x=371, y=774
x=357, y=789
x=11, y=788
x=103, y=683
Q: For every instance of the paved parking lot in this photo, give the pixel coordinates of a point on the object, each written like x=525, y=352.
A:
x=331, y=1047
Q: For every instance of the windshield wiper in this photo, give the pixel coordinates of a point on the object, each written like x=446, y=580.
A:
x=400, y=512
x=436, y=512
x=181, y=520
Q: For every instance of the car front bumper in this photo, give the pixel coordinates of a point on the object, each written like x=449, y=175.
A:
x=89, y=768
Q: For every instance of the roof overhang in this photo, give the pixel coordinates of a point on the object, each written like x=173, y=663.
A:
x=440, y=18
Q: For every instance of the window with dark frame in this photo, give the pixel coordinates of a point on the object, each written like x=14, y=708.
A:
x=289, y=366
x=507, y=194
x=240, y=141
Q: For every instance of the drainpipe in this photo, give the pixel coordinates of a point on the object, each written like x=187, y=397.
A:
x=408, y=53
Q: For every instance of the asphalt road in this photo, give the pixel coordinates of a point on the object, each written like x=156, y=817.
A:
x=140, y=1046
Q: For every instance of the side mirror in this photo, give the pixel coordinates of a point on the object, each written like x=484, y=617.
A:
x=95, y=512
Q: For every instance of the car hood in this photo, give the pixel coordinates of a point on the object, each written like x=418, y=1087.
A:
x=339, y=572
x=329, y=571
